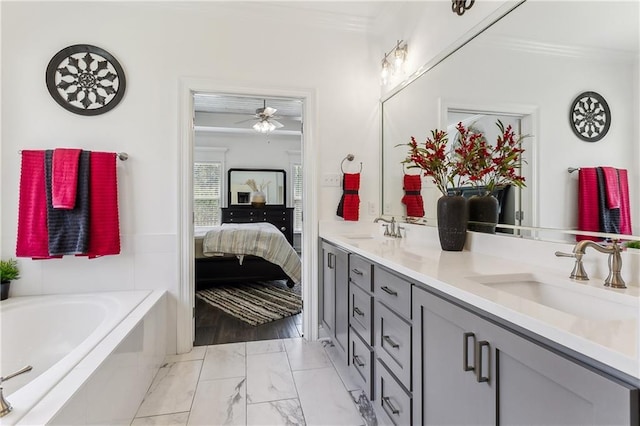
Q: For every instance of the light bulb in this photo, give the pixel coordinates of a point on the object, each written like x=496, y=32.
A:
x=384, y=74
x=264, y=127
x=400, y=55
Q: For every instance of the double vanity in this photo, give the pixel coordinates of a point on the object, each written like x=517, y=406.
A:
x=476, y=338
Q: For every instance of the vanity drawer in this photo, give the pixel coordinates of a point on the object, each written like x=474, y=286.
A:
x=393, y=291
x=393, y=400
x=361, y=313
x=362, y=362
x=393, y=343
x=360, y=271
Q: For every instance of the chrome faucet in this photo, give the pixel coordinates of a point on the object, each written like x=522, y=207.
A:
x=5, y=407
x=390, y=229
x=614, y=279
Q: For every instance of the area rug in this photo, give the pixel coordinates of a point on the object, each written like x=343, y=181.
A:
x=255, y=303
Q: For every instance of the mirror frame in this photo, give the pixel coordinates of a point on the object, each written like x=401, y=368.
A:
x=284, y=186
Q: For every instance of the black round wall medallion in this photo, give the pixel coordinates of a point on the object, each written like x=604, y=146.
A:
x=590, y=116
x=85, y=79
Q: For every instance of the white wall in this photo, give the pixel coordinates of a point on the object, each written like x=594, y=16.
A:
x=157, y=44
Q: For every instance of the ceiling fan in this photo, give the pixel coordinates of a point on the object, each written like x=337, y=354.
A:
x=266, y=119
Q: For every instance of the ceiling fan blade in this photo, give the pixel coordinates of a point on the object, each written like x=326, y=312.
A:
x=247, y=120
x=276, y=123
x=268, y=111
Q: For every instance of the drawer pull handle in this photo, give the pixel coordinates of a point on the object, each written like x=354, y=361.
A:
x=387, y=400
x=388, y=290
x=284, y=228
x=356, y=361
x=465, y=351
x=393, y=344
x=357, y=271
x=357, y=311
x=479, y=347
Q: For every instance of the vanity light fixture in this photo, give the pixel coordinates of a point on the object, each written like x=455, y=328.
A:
x=460, y=6
x=399, y=55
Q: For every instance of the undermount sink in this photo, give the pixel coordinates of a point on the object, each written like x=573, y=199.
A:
x=361, y=237
x=575, y=301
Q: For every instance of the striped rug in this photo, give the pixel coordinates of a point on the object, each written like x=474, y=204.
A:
x=255, y=303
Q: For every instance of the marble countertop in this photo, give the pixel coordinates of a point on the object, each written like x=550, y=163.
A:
x=598, y=322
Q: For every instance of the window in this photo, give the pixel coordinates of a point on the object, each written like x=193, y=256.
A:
x=297, y=198
x=207, y=188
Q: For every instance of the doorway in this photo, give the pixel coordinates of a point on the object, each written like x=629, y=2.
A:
x=185, y=309
x=244, y=146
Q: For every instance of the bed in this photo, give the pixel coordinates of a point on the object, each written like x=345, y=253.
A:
x=252, y=244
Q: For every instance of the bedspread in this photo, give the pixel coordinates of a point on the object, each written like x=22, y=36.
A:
x=258, y=239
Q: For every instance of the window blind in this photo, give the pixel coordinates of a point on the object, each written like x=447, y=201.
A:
x=207, y=189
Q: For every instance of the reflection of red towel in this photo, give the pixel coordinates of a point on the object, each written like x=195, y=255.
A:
x=612, y=187
x=625, y=209
x=33, y=235
x=350, y=201
x=588, y=212
x=64, y=178
x=104, y=228
x=412, y=198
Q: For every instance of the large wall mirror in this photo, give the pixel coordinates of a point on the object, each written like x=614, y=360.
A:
x=527, y=68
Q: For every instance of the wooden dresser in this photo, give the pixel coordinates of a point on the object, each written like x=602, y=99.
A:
x=281, y=217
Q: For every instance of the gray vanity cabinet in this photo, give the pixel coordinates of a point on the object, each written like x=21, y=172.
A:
x=335, y=295
x=474, y=372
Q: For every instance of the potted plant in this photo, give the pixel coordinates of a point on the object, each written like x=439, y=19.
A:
x=8, y=272
x=446, y=169
x=489, y=168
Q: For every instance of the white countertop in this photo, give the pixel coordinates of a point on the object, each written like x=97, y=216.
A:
x=610, y=339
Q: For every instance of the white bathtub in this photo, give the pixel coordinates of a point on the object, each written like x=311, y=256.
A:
x=81, y=348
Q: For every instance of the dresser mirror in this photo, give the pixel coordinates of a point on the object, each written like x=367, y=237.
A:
x=528, y=67
x=271, y=182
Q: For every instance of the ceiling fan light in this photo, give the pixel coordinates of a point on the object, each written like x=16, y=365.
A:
x=264, y=127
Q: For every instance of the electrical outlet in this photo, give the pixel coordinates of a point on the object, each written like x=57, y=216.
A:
x=372, y=208
x=331, y=179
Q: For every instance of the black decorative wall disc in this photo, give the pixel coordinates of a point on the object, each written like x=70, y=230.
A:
x=590, y=116
x=85, y=79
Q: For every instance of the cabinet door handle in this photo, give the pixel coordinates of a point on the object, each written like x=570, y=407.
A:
x=479, y=348
x=465, y=351
x=356, y=361
x=357, y=311
x=387, y=400
x=329, y=258
x=393, y=344
x=357, y=271
x=388, y=290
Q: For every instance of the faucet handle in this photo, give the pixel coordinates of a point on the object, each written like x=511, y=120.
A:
x=563, y=254
x=399, y=230
x=386, y=229
x=578, y=272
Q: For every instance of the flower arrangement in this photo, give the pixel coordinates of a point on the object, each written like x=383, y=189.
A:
x=487, y=165
x=471, y=160
x=446, y=168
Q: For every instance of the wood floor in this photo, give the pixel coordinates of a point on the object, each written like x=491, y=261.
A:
x=214, y=326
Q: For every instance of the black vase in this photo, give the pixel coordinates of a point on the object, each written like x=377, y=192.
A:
x=4, y=289
x=452, y=222
x=483, y=213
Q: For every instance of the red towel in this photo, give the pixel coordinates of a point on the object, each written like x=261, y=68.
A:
x=625, y=209
x=104, y=224
x=64, y=178
x=612, y=187
x=33, y=235
x=348, y=207
x=412, y=198
x=588, y=212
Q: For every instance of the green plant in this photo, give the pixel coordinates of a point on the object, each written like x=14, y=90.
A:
x=633, y=244
x=9, y=270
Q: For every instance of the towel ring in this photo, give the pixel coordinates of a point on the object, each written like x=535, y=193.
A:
x=349, y=157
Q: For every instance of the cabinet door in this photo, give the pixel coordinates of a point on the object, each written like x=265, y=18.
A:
x=545, y=388
x=446, y=357
x=342, y=300
x=328, y=288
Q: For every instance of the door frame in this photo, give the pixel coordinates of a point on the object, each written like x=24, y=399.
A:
x=186, y=271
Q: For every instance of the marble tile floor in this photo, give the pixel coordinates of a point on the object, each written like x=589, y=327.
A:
x=269, y=382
